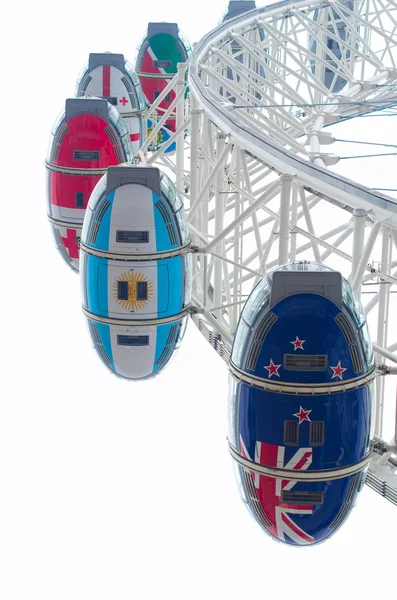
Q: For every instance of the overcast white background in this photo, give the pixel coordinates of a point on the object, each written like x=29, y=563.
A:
x=110, y=489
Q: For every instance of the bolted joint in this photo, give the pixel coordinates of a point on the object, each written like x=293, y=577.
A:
x=195, y=310
x=391, y=74
x=286, y=177
x=328, y=159
x=382, y=370
x=367, y=86
x=360, y=212
x=324, y=137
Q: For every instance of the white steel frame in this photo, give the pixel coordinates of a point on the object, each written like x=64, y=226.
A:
x=252, y=162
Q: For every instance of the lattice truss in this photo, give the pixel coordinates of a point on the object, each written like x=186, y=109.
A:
x=253, y=161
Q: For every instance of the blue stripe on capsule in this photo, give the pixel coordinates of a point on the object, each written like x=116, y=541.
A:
x=175, y=273
x=163, y=288
x=162, y=238
x=97, y=285
x=104, y=333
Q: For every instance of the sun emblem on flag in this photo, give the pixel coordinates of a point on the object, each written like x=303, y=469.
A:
x=132, y=290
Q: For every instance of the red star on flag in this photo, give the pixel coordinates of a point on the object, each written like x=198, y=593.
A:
x=338, y=370
x=298, y=344
x=303, y=415
x=273, y=369
x=70, y=242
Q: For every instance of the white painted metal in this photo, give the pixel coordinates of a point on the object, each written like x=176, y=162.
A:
x=259, y=185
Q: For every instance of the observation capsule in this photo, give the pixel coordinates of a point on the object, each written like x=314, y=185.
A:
x=333, y=48
x=163, y=47
x=136, y=270
x=87, y=137
x=238, y=7
x=300, y=402
x=235, y=9
x=113, y=78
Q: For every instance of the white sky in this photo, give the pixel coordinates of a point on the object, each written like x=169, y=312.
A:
x=110, y=489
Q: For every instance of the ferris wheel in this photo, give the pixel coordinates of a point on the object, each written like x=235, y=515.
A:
x=256, y=170
x=273, y=252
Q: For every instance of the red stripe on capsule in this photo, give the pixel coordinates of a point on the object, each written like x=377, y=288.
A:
x=106, y=81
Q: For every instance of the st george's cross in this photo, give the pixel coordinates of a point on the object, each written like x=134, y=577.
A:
x=268, y=490
x=71, y=243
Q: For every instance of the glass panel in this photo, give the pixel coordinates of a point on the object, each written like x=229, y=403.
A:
x=242, y=336
x=58, y=121
x=234, y=388
x=98, y=192
x=367, y=344
x=181, y=332
x=169, y=190
x=118, y=122
x=183, y=39
x=137, y=85
x=183, y=226
x=239, y=475
x=257, y=301
x=188, y=280
x=80, y=78
x=352, y=302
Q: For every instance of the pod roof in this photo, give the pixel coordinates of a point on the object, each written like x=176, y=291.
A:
x=238, y=7
x=113, y=78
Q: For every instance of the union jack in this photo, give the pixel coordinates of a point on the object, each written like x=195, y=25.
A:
x=265, y=494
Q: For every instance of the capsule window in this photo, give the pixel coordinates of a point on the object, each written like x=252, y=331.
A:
x=141, y=290
x=298, y=497
x=122, y=290
x=305, y=362
x=86, y=154
x=79, y=199
x=132, y=237
x=133, y=340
